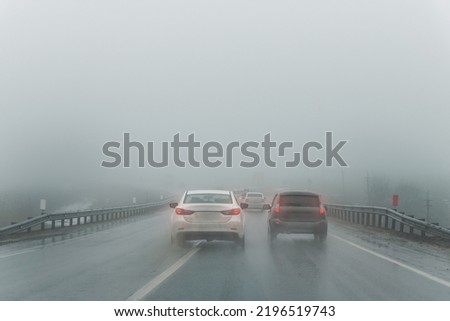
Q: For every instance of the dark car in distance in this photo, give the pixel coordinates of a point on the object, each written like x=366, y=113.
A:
x=297, y=212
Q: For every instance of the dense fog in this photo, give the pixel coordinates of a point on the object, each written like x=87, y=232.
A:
x=75, y=75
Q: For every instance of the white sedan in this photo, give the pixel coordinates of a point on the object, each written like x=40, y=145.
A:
x=208, y=214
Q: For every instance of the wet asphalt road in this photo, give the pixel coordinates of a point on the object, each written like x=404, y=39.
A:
x=116, y=261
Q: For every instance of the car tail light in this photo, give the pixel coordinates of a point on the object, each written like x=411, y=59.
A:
x=276, y=208
x=234, y=211
x=322, y=210
x=182, y=211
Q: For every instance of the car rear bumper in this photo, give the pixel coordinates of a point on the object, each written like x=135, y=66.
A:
x=212, y=231
x=258, y=206
x=279, y=226
x=191, y=235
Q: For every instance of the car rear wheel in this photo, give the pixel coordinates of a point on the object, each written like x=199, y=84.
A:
x=240, y=242
x=180, y=242
x=321, y=237
x=272, y=235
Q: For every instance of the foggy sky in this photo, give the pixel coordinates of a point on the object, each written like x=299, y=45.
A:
x=75, y=74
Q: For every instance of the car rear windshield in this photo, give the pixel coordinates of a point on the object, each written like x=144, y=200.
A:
x=208, y=198
x=254, y=195
x=300, y=200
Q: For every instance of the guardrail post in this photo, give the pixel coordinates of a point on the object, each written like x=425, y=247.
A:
x=29, y=229
x=393, y=224
x=422, y=232
x=43, y=207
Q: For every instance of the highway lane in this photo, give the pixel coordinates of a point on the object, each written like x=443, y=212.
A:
x=294, y=268
x=114, y=263
x=105, y=265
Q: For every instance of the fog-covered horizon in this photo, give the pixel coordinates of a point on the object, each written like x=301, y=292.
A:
x=74, y=75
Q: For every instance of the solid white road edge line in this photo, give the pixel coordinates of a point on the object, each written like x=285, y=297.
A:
x=154, y=283
x=403, y=265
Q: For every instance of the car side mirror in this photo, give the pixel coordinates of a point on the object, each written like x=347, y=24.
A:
x=244, y=205
x=173, y=205
x=267, y=207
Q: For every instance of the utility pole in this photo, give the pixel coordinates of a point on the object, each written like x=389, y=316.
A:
x=428, y=205
x=368, y=187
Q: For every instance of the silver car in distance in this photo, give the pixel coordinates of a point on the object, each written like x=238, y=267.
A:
x=254, y=200
x=208, y=215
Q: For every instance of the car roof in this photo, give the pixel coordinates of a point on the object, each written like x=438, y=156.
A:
x=298, y=193
x=208, y=191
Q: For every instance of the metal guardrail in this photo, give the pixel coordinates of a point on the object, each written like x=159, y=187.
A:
x=386, y=218
x=80, y=217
